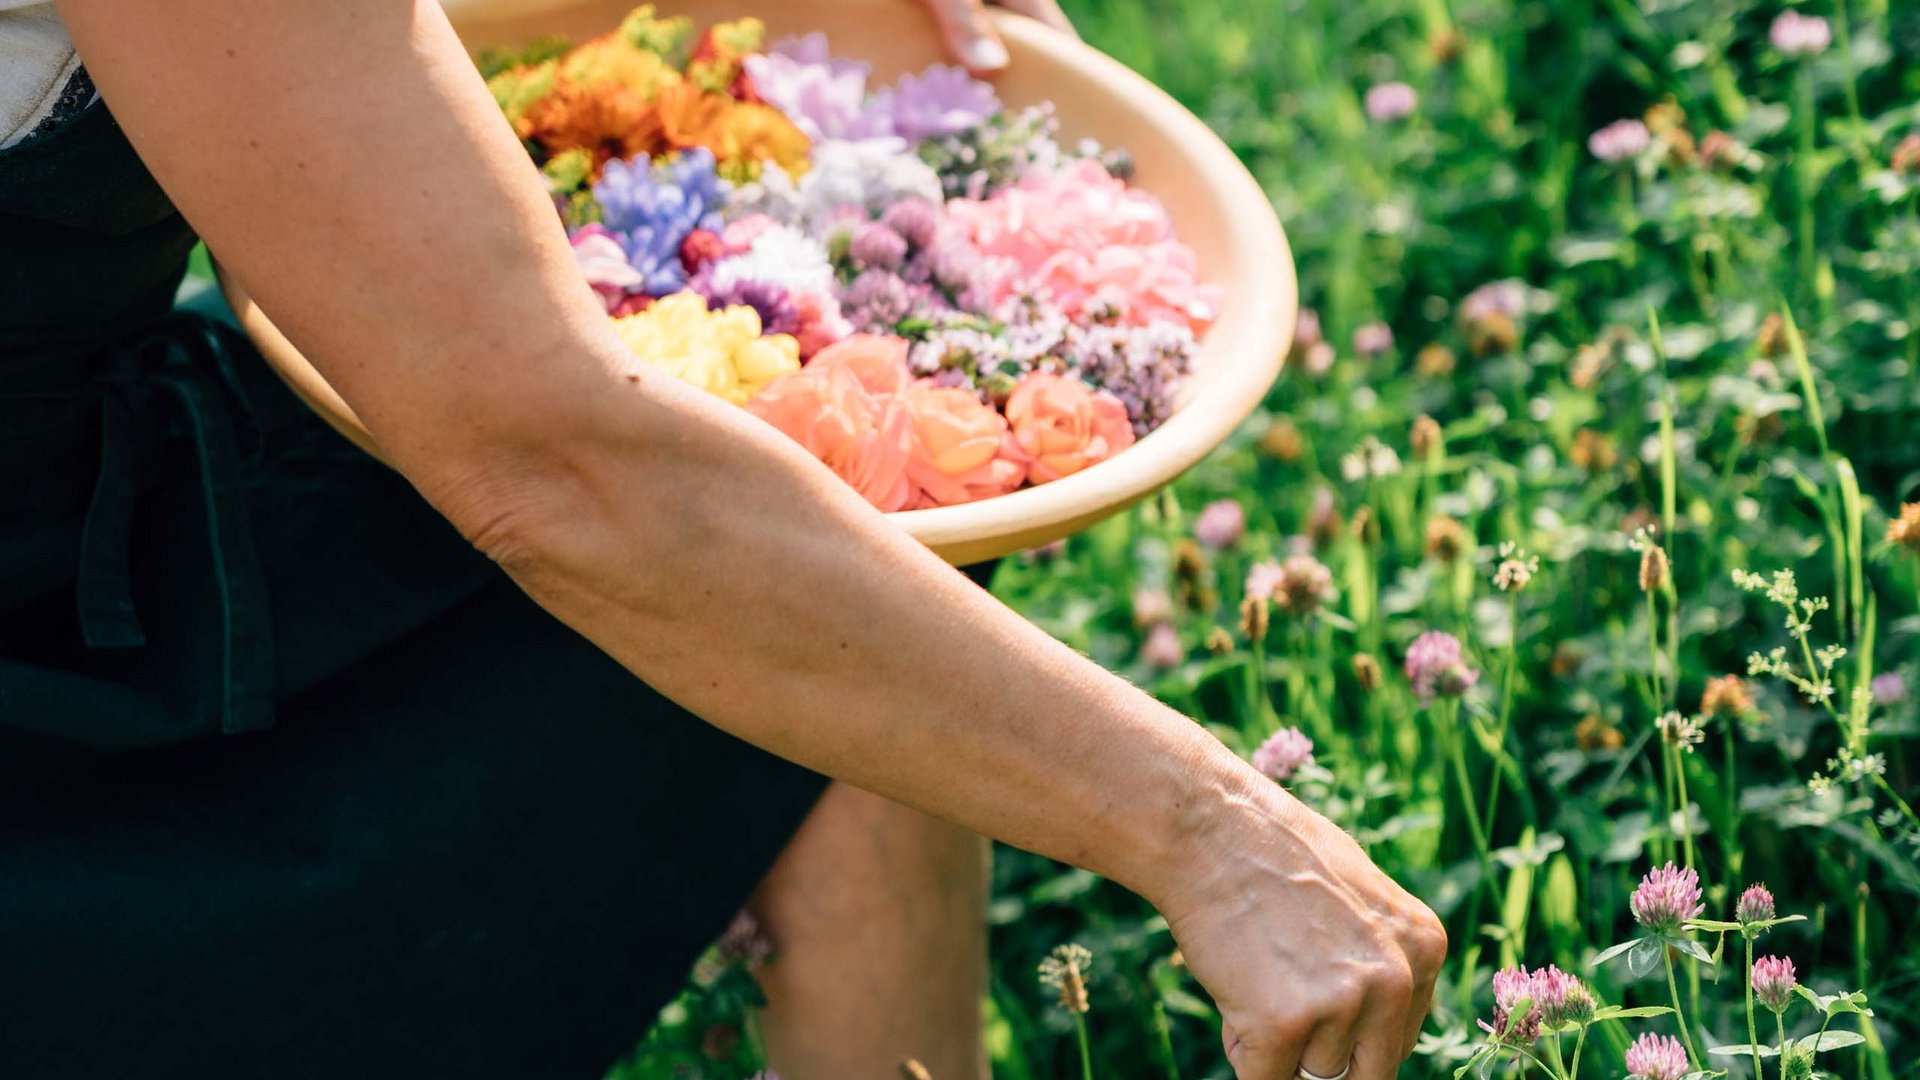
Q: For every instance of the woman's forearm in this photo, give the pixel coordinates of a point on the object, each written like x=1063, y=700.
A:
x=736, y=574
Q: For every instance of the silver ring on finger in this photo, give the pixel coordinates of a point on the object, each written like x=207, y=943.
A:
x=1307, y=1074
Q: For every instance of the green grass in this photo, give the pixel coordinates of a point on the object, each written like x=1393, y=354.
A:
x=1654, y=380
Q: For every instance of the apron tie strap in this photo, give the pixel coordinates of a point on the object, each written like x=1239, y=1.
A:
x=180, y=377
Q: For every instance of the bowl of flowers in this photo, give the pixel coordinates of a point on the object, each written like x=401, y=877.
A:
x=1000, y=311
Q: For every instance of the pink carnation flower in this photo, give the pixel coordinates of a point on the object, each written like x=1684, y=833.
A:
x=1083, y=238
x=962, y=450
x=604, y=263
x=845, y=410
x=1060, y=426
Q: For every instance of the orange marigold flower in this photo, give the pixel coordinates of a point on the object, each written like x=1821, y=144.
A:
x=737, y=132
x=611, y=59
x=606, y=120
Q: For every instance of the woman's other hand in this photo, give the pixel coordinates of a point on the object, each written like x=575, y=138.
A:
x=1317, y=959
x=971, y=38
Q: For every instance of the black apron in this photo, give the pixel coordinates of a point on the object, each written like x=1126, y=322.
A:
x=293, y=783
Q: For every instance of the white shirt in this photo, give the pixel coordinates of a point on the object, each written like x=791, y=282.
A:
x=37, y=63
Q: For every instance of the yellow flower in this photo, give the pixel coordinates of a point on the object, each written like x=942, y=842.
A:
x=720, y=352
x=517, y=88
x=610, y=59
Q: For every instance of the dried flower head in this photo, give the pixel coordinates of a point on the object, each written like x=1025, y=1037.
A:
x=1593, y=451
x=1657, y=1057
x=1772, y=340
x=1436, y=668
x=1219, y=642
x=1516, y=568
x=1726, y=697
x=1754, y=906
x=1065, y=971
x=1447, y=45
x=1593, y=733
x=1434, y=361
x=1298, y=586
x=1773, y=982
x=1256, y=613
x=1493, y=334
x=1653, y=561
x=1904, y=530
x=1666, y=898
x=1284, y=753
x=1191, y=575
x=1366, y=672
x=1281, y=441
x=1446, y=539
x=1324, y=524
x=1425, y=439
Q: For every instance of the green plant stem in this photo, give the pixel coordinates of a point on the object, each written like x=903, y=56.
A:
x=1803, y=173
x=1679, y=1017
x=1165, y=1031
x=1086, y=1051
x=1579, y=1044
x=1780, y=1025
x=1753, y=1035
x=1686, y=818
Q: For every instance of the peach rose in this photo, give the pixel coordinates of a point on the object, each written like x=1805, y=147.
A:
x=1062, y=427
x=962, y=449
x=865, y=438
x=878, y=361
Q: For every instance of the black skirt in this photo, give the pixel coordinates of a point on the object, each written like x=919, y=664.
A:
x=293, y=783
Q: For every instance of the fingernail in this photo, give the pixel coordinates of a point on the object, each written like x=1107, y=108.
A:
x=985, y=54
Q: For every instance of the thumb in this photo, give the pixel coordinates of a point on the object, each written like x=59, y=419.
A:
x=970, y=37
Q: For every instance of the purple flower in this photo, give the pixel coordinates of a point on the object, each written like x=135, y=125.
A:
x=1666, y=898
x=916, y=220
x=1510, y=987
x=1561, y=997
x=1306, y=330
x=1162, y=649
x=940, y=101
x=1373, y=339
x=875, y=246
x=1795, y=34
x=1151, y=606
x=650, y=207
x=1508, y=297
x=1387, y=102
x=876, y=301
x=1657, y=1057
x=1754, y=906
x=1284, y=753
x=1889, y=688
x=1620, y=140
x=778, y=315
x=825, y=98
x=1436, y=668
x=1773, y=982
x=1221, y=524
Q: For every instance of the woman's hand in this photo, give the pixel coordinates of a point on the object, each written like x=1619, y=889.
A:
x=971, y=38
x=1316, y=958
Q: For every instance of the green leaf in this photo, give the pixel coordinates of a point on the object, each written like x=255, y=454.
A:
x=1640, y=1012
x=1612, y=951
x=1714, y=926
x=1690, y=947
x=1830, y=1040
x=1644, y=958
x=1742, y=1050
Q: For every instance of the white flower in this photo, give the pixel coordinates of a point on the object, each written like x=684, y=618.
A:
x=781, y=255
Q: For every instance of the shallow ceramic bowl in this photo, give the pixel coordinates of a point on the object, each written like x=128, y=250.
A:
x=1216, y=206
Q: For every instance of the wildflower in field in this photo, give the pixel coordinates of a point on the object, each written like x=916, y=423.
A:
x=1511, y=986
x=1795, y=34
x=1162, y=649
x=1593, y=451
x=1151, y=606
x=1905, y=529
x=1221, y=524
x=1281, y=441
x=1562, y=998
x=1667, y=897
x=1593, y=733
x=1436, y=668
x=1719, y=150
x=1192, y=582
x=1306, y=329
x=1297, y=586
x=1889, y=688
x=1906, y=155
x=1653, y=565
x=1371, y=459
x=1365, y=528
x=1754, y=906
x=1425, y=439
x=1667, y=123
x=1683, y=732
x=1219, y=642
x=1516, y=568
x=1773, y=982
x=1387, y=102
x=1772, y=339
x=1446, y=538
x=1284, y=753
x=1256, y=614
x=1447, y=45
x=1434, y=361
x=1318, y=359
x=1324, y=525
x=1065, y=971
x=1373, y=339
x=1620, y=141
x=1657, y=1057
x=1366, y=672
x=1726, y=697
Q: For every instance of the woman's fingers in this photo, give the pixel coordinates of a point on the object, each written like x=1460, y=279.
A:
x=969, y=35
x=1047, y=11
x=1329, y=1052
